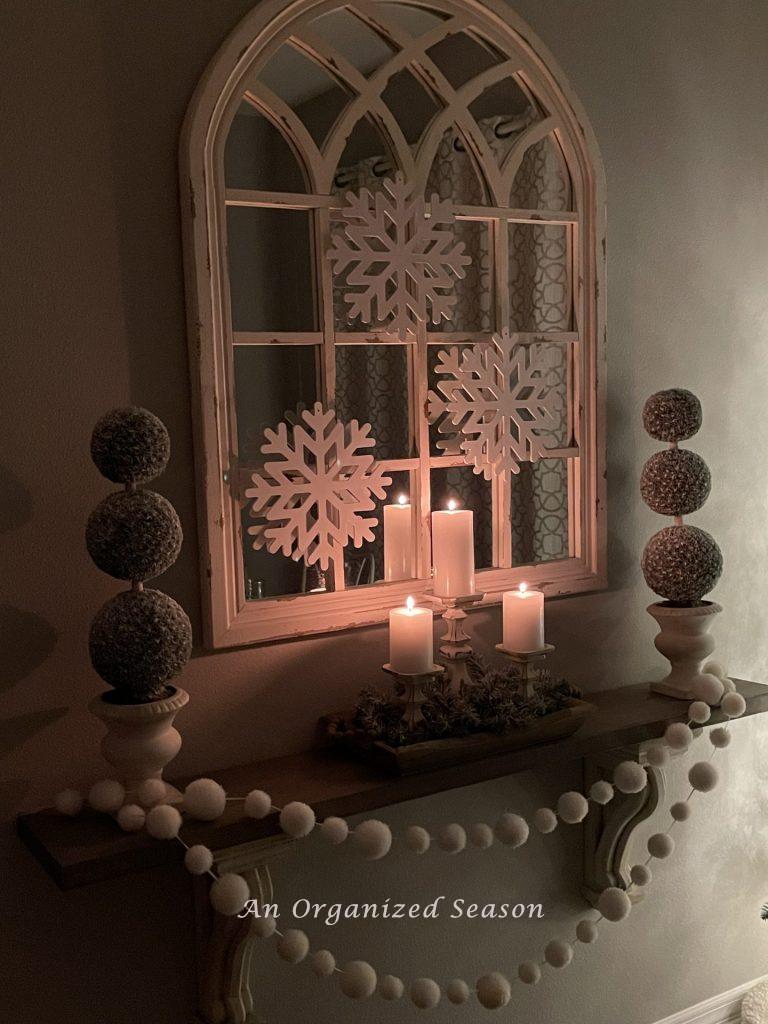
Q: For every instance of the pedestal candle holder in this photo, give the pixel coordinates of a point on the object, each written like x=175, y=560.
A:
x=525, y=659
x=455, y=645
x=413, y=683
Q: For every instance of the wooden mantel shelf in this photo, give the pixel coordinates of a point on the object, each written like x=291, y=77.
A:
x=91, y=848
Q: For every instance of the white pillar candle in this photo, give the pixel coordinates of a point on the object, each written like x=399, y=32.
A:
x=411, y=647
x=524, y=620
x=398, y=542
x=453, y=551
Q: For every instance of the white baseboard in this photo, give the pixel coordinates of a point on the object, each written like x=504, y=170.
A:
x=722, y=1009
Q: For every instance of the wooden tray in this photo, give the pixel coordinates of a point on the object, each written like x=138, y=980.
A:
x=422, y=757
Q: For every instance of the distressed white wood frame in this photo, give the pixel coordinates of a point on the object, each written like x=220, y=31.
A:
x=231, y=620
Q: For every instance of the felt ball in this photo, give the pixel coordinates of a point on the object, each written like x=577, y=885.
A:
x=417, y=839
x=601, y=792
x=205, y=800
x=681, y=811
x=131, y=817
x=728, y=685
x=457, y=992
x=733, y=705
x=69, y=802
x=390, y=988
x=163, y=821
x=720, y=737
x=715, y=668
x=558, y=953
x=614, y=904
x=373, y=838
x=229, y=893
x=657, y=755
x=586, y=931
x=480, y=835
x=263, y=927
x=297, y=819
x=678, y=736
x=661, y=845
x=106, y=796
x=130, y=445
x=139, y=640
x=151, y=792
x=323, y=963
x=682, y=564
x=672, y=415
x=640, y=874
x=358, y=979
x=529, y=973
x=703, y=776
x=572, y=807
x=198, y=859
x=709, y=689
x=293, y=945
x=425, y=993
x=257, y=804
x=134, y=535
x=335, y=830
x=512, y=830
x=699, y=712
x=545, y=820
x=493, y=991
x=452, y=838
x=630, y=777
x=675, y=482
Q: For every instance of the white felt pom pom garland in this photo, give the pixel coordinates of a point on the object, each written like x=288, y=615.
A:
x=230, y=892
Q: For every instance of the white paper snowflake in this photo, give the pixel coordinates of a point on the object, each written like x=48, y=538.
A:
x=312, y=495
x=402, y=264
x=497, y=397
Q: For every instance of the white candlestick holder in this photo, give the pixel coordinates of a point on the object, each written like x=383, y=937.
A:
x=527, y=659
x=413, y=684
x=455, y=645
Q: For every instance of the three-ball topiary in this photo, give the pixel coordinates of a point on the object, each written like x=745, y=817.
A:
x=140, y=639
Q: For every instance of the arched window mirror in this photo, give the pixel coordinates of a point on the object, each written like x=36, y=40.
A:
x=447, y=121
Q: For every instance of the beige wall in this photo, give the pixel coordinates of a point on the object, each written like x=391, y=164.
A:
x=93, y=312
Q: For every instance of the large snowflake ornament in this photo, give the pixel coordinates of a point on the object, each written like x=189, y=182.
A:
x=401, y=264
x=312, y=495
x=497, y=398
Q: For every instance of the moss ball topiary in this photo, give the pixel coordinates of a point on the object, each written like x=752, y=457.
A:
x=139, y=640
x=672, y=415
x=682, y=564
x=130, y=445
x=675, y=482
x=134, y=535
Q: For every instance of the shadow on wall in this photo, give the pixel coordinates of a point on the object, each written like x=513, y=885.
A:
x=15, y=502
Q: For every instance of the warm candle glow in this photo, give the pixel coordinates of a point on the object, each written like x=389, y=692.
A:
x=523, y=587
x=402, y=499
x=409, y=603
x=452, y=505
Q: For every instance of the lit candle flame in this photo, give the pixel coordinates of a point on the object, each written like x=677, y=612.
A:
x=409, y=603
x=402, y=499
x=452, y=505
x=523, y=587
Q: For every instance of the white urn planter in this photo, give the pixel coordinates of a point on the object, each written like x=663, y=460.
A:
x=141, y=739
x=685, y=642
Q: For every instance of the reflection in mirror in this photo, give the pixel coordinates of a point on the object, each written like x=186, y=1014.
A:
x=540, y=512
x=364, y=48
x=462, y=57
x=471, y=491
x=368, y=564
x=542, y=182
x=372, y=387
x=258, y=156
x=539, y=282
x=270, y=269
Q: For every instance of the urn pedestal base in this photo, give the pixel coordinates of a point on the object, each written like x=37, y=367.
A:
x=684, y=641
x=141, y=739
